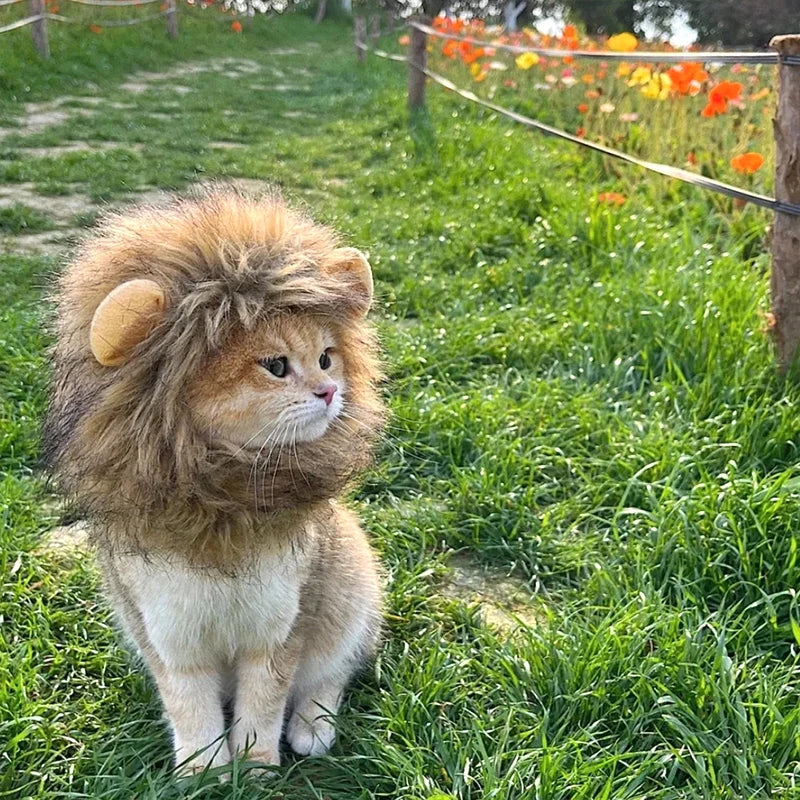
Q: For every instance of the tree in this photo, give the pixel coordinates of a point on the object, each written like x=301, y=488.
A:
x=742, y=23
x=607, y=17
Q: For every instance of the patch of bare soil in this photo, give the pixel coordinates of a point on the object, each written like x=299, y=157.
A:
x=66, y=537
x=234, y=67
x=62, y=210
x=39, y=116
x=505, y=601
x=77, y=146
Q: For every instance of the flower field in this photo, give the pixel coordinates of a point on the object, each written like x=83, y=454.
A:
x=713, y=118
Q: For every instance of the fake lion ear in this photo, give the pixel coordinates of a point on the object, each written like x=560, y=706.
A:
x=124, y=319
x=348, y=260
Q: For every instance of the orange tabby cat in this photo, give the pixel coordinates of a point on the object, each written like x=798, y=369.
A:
x=208, y=443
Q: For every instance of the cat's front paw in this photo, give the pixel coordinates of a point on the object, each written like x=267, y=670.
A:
x=310, y=735
x=192, y=761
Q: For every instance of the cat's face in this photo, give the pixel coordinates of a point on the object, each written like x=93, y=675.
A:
x=268, y=388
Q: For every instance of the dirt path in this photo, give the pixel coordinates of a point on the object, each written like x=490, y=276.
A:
x=62, y=217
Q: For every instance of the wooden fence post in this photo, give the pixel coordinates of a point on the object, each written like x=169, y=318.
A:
x=785, y=277
x=360, y=32
x=39, y=28
x=172, y=19
x=417, y=58
x=374, y=29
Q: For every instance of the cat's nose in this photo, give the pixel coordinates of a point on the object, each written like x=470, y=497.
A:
x=326, y=391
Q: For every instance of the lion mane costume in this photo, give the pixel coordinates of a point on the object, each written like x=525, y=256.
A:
x=146, y=301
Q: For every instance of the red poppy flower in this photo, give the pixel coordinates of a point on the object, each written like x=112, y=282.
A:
x=719, y=96
x=611, y=198
x=687, y=78
x=747, y=163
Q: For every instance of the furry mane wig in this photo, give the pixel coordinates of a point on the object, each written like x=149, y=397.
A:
x=121, y=438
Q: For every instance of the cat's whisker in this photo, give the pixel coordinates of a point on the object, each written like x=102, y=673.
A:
x=279, y=444
x=254, y=467
x=297, y=456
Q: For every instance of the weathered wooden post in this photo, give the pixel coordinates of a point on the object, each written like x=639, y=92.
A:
x=39, y=28
x=172, y=19
x=360, y=32
x=417, y=62
x=785, y=278
x=374, y=29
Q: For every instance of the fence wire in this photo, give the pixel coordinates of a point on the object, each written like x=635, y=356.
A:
x=662, y=169
x=705, y=56
x=114, y=3
x=21, y=23
x=119, y=23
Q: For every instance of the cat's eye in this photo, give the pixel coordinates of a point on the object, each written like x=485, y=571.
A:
x=276, y=366
x=325, y=360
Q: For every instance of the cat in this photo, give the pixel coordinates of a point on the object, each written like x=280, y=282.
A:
x=209, y=455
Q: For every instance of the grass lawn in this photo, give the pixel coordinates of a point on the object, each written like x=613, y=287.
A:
x=585, y=407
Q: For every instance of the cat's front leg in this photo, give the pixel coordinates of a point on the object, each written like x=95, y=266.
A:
x=263, y=678
x=191, y=699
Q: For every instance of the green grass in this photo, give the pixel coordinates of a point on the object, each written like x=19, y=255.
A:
x=19, y=217
x=582, y=396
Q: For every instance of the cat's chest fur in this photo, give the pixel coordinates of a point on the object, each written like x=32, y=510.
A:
x=193, y=616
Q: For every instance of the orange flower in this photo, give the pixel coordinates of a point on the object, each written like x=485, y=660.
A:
x=611, y=198
x=719, y=95
x=687, y=78
x=714, y=107
x=404, y=40
x=580, y=133
x=592, y=94
x=450, y=48
x=588, y=78
x=726, y=90
x=95, y=28
x=236, y=26
x=747, y=163
x=568, y=59
x=583, y=108
x=569, y=32
x=472, y=55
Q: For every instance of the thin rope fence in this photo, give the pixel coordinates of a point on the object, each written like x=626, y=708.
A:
x=654, y=57
x=114, y=3
x=119, y=23
x=40, y=16
x=662, y=169
x=21, y=23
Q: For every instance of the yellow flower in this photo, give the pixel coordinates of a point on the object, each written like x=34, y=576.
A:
x=527, y=60
x=640, y=76
x=624, y=69
x=658, y=87
x=623, y=42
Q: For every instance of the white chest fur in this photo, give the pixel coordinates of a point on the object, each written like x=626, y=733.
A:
x=193, y=617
